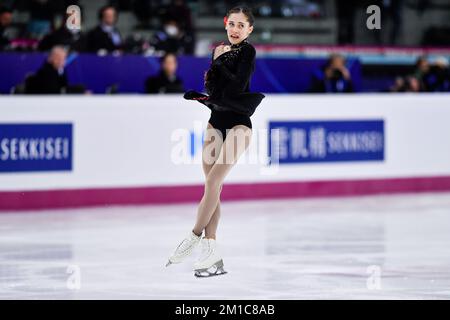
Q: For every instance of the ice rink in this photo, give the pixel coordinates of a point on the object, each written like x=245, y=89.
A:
x=373, y=247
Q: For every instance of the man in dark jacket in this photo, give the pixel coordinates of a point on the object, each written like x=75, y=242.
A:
x=166, y=81
x=51, y=77
x=105, y=36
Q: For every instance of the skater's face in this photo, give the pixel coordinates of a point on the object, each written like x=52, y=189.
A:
x=238, y=28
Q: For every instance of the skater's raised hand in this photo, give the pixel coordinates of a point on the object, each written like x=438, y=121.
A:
x=220, y=49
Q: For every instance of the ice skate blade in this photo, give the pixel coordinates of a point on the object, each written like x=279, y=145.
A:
x=206, y=274
x=172, y=262
x=215, y=270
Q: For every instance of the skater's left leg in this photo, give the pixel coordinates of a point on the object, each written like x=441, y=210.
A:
x=211, y=227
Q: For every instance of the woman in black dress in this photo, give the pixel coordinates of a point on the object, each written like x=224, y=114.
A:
x=228, y=133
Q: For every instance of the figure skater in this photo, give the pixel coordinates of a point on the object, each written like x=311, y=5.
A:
x=228, y=134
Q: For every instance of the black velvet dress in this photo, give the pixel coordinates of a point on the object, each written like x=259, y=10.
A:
x=227, y=83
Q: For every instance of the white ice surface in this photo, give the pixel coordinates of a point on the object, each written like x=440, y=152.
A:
x=322, y=248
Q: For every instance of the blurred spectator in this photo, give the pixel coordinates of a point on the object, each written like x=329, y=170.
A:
x=346, y=20
x=5, y=22
x=333, y=77
x=398, y=86
x=42, y=13
x=413, y=85
x=172, y=39
x=144, y=10
x=421, y=69
x=180, y=12
x=135, y=43
x=434, y=77
x=51, y=77
x=72, y=40
x=406, y=84
x=437, y=79
x=166, y=81
x=105, y=36
x=391, y=10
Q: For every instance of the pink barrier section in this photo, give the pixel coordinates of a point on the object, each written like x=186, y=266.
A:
x=71, y=198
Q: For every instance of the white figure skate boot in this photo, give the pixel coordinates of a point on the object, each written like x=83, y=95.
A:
x=184, y=249
x=210, y=262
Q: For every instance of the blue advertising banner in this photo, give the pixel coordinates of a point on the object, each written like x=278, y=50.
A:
x=35, y=147
x=326, y=141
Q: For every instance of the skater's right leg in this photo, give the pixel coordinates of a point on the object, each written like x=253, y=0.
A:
x=210, y=153
x=211, y=227
x=233, y=147
x=211, y=150
x=236, y=142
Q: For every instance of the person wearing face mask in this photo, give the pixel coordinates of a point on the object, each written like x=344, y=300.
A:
x=105, y=37
x=171, y=28
x=171, y=38
x=180, y=11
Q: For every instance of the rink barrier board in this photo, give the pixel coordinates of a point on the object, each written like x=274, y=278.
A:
x=73, y=198
x=132, y=165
